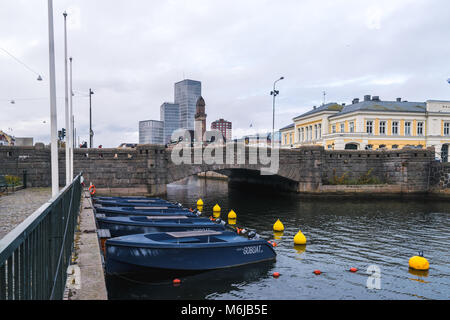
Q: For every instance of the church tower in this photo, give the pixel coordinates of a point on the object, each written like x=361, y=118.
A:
x=200, y=120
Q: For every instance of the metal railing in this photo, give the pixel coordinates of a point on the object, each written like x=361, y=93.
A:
x=35, y=255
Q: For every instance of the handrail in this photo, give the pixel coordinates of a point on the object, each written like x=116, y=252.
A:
x=34, y=256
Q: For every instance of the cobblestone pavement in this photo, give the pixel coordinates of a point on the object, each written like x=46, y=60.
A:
x=17, y=206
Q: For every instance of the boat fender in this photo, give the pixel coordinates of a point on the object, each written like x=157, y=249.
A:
x=218, y=220
x=251, y=234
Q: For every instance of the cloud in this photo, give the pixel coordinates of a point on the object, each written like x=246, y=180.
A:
x=132, y=52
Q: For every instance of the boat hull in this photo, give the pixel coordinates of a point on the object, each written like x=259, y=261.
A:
x=122, y=227
x=127, y=259
x=128, y=211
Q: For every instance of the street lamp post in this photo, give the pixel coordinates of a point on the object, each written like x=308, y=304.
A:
x=71, y=125
x=53, y=116
x=91, y=133
x=66, y=100
x=274, y=93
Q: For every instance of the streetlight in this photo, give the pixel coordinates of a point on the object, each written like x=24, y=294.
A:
x=91, y=133
x=274, y=93
x=53, y=115
x=66, y=100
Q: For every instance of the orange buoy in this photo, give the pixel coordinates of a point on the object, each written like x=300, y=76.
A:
x=92, y=189
x=317, y=272
x=276, y=274
x=353, y=270
x=273, y=243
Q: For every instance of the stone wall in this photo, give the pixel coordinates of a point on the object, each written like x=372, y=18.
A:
x=148, y=168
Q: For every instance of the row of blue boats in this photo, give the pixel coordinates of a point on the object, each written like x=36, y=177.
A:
x=151, y=235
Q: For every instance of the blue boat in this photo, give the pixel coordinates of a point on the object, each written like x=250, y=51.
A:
x=122, y=226
x=186, y=251
x=136, y=203
x=127, y=198
x=145, y=211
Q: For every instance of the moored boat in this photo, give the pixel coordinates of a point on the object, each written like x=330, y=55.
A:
x=121, y=226
x=145, y=211
x=184, y=251
x=127, y=198
x=136, y=203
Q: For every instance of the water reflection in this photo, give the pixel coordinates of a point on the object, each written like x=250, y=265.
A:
x=341, y=233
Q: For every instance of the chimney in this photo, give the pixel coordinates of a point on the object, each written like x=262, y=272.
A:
x=399, y=99
x=375, y=98
x=367, y=97
x=356, y=100
x=314, y=108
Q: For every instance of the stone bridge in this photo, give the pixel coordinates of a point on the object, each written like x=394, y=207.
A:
x=149, y=168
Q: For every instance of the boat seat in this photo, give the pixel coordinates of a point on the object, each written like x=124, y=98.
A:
x=152, y=208
x=166, y=217
x=183, y=234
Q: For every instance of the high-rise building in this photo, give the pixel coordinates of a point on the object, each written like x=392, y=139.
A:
x=223, y=126
x=187, y=93
x=151, y=132
x=170, y=115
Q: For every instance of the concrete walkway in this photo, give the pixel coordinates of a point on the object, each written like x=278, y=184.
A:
x=17, y=206
x=90, y=281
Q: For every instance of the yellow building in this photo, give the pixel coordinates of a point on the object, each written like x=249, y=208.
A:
x=5, y=139
x=373, y=124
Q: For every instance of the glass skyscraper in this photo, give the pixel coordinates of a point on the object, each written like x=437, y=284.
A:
x=151, y=132
x=170, y=115
x=187, y=93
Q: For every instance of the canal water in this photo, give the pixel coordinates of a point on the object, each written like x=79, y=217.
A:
x=375, y=236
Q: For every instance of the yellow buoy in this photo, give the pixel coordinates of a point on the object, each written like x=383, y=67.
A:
x=199, y=202
x=232, y=215
x=419, y=263
x=216, y=208
x=232, y=221
x=299, y=238
x=278, y=226
x=200, y=208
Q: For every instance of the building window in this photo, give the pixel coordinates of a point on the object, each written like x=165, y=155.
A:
x=369, y=127
x=333, y=128
x=351, y=126
x=420, y=128
x=342, y=127
x=285, y=139
x=446, y=128
x=369, y=147
x=310, y=133
x=299, y=135
x=315, y=132
x=302, y=135
x=382, y=127
x=320, y=131
x=395, y=127
x=407, y=128
x=395, y=146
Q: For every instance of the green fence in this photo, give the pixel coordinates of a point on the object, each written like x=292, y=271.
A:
x=35, y=255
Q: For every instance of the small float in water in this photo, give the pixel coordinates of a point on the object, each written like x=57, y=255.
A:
x=122, y=226
x=184, y=251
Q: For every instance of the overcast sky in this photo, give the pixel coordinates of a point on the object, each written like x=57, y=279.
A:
x=132, y=52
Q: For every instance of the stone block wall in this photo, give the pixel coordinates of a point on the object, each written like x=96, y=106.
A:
x=148, y=168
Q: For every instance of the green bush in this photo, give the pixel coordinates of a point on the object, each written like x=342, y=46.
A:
x=366, y=178
x=13, y=180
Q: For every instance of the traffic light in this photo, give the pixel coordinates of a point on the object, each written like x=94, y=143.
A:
x=63, y=133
